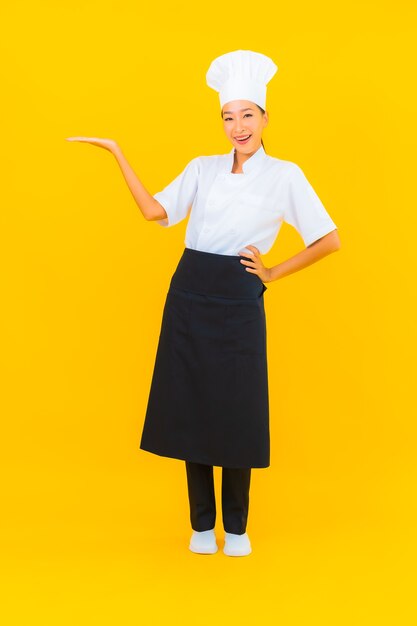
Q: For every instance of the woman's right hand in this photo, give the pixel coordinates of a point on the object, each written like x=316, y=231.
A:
x=108, y=144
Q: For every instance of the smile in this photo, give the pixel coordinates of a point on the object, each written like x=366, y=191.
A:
x=244, y=139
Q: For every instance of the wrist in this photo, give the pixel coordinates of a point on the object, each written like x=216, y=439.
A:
x=272, y=273
x=116, y=149
x=269, y=275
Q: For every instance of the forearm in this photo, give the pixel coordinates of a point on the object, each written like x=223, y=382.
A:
x=148, y=205
x=313, y=253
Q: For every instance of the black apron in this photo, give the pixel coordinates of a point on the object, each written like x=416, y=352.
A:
x=208, y=401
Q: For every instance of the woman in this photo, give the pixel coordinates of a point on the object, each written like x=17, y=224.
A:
x=208, y=402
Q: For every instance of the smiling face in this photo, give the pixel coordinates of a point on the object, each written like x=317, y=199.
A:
x=240, y=119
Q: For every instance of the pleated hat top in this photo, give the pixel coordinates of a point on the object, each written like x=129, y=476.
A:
x=241, y=75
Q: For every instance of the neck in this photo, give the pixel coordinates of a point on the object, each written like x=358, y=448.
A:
x=241, y=157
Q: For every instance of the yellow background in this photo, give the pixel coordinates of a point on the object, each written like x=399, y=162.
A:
x=94, y=531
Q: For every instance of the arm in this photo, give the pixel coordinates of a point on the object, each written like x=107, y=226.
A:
x=304, y=211
x=311, y=254
x=149, y=206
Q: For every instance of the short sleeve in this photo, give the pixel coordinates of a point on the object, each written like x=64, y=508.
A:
x=304, y=210
x=178, y=196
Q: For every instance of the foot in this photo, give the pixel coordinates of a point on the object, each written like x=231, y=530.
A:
x=203, y=542
x=237, y=545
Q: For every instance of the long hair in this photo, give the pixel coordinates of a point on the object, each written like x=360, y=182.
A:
x=262, y=111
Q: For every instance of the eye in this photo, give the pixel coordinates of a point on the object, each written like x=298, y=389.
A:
x=226, y=119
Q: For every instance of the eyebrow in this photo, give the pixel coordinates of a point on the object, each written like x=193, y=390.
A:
x=247, y=109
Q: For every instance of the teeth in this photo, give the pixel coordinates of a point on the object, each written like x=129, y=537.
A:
x=242, y=138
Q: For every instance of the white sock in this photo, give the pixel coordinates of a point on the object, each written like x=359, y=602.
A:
x=203, y=542
x=237, y=545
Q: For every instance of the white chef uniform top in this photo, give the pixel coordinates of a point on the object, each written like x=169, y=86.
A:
x=230, y=211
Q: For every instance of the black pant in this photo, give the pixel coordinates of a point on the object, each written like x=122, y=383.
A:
x=235, y=497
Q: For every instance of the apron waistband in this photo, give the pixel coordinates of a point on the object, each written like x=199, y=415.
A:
x=213, y=274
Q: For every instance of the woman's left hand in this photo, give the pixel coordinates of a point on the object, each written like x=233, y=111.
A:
x=256, y=266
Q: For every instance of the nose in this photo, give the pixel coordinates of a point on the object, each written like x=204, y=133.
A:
x=239, y=130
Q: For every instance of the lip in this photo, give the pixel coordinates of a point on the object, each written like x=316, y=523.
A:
x=243, y=142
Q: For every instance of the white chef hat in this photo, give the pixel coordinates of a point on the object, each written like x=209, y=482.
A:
x=241, y=75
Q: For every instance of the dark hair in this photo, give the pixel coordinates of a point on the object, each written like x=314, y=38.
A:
x=262, y=111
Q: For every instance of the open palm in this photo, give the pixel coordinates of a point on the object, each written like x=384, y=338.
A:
x=108, y=144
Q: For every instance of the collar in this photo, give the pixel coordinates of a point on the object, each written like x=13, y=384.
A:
x=250, y=164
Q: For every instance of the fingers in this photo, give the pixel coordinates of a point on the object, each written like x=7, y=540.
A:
x=253, y=264
x=79, y=138
x=253, y=250
x=87, y=139
x=256, y=264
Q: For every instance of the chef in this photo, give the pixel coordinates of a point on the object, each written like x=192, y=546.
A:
x=208, y=402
